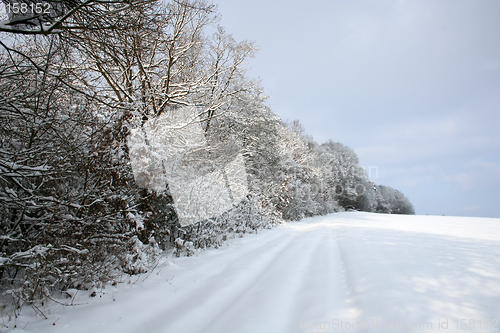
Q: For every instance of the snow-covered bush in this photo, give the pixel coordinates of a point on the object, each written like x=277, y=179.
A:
x=140, y=257
x=249, y=216
x=66, y=191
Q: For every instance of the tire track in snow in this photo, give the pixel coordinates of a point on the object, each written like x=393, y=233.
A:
x=328, y=269
x=271, y=303
x=279, y=291
x=195, y=308
x=352, y=302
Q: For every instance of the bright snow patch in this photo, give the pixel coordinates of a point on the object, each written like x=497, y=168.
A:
x=362, y=269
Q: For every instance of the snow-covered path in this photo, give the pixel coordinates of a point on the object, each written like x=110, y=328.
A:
x=321, y=274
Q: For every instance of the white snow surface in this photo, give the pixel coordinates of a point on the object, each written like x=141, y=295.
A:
x=341, y=272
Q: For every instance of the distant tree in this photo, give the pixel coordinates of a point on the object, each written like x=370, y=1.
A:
x=345, y=176
x=402, y=205
x=392, y=201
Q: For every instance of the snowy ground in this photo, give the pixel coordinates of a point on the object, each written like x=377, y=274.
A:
x=341, y=272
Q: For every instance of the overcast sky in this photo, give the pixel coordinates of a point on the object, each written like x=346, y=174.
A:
x=412, y=86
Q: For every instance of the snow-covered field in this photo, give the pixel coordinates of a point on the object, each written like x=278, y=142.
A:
x=341, y=272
